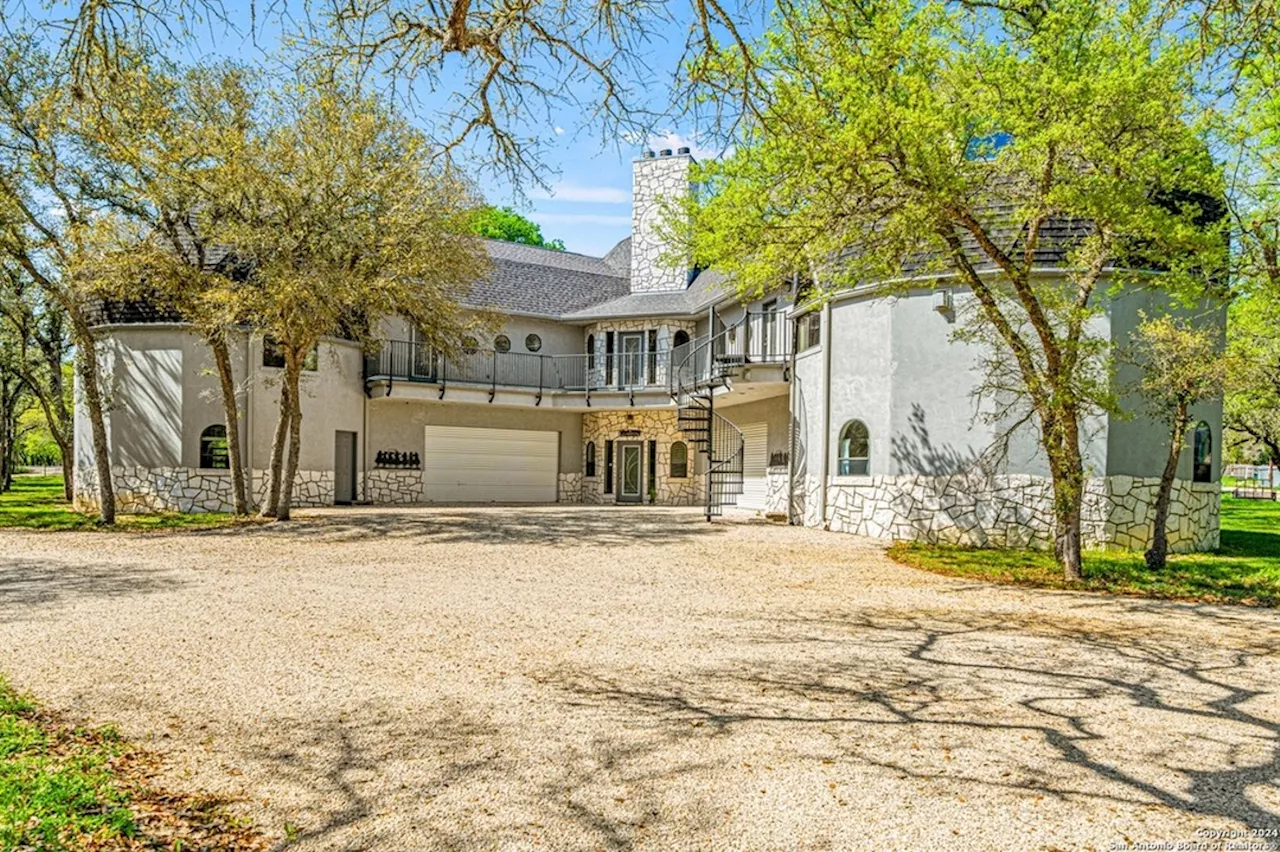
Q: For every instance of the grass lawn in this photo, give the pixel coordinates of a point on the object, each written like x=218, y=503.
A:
x=73, y=788
x=1245, y=570
x=36, y=502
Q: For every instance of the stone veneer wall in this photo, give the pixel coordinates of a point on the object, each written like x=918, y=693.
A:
x=658, y=426
x=776, y=479
x=569, y=488
x=1013, y=511
x=394, y=485
x=654, y=180
x=141, y=490
x=666, y=333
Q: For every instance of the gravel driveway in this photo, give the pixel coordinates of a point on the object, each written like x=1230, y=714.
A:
x=566, y=677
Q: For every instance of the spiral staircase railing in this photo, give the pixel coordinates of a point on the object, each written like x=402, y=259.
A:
x=693, y=382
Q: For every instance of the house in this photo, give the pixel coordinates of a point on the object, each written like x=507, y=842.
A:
x=626, y=379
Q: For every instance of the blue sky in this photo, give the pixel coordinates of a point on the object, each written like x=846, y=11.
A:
x=587, y=204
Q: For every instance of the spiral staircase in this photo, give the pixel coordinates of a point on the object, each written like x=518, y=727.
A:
x=695, y=379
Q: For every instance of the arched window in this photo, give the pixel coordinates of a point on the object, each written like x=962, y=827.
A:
x=855, y=449
x=591, y=458
x=1202, y=458
x=591, y=351
x=681, y=339
x=679, y=460
x=213, y=448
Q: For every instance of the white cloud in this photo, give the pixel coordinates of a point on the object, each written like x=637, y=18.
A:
x=559, y=131
x=578, y=194
x=578, y=219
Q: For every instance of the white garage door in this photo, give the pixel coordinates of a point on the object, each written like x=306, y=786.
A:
x=467, y=465
x=755, y=459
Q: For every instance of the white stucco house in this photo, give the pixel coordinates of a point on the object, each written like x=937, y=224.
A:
x=624, y=380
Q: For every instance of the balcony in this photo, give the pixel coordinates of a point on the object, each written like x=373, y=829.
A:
x=627, y=378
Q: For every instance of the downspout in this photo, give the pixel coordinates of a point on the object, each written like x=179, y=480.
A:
x=363, y=496
x=791, y=431
x=827, y=341
x=249, y=379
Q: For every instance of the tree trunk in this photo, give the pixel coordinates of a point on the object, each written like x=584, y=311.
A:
x=68, y=473
x=1062, y=445
x=87, y=364
x=293, y=370
x=271, y=505
x=1157, y=554
x=231, y=413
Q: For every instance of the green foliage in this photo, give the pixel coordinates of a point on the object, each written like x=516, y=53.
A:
x=1181, y=363
x=37, y=502
x=1252, y=403
x=55, y=791
x=504, y=223
x=1246, y=569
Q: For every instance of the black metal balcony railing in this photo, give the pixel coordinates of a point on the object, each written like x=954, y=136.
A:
x=416, y=362
x=755, y=338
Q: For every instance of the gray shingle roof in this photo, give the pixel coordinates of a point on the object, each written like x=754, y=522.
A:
x=707, y=289
x=540, y=281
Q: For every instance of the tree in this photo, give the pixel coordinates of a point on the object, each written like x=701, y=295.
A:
x=162, y=137
x=38, y=328
x=338, y=216
x=1182, y=363
x=1252, y=402
x=503, y=223
x=962, y=140
x=46, y=221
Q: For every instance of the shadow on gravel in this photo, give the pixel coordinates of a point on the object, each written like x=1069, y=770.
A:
x=26, y=585
x=381, y=778
x=591, y=526
x=1033, y=704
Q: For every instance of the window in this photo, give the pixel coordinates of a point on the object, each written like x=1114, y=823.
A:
x=532, y=342
x=855, y=449
x=591, y=351
x=1202, y=460
x=808, y=331
x=679, y=460
x=681, y=339
x=213, y=448
x=608, y=467
x=651, y=344
x=470, y=345
x=591, y=458
x=273, y=355
x=502, y=343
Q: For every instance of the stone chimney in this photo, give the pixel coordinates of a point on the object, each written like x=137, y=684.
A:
x=656, y=177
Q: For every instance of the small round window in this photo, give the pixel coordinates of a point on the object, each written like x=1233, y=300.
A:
x=470, y=345
x=502, y=343
x=533, y=343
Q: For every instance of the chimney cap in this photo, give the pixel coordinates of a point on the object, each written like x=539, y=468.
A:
x=665, y=152
x=683, y=150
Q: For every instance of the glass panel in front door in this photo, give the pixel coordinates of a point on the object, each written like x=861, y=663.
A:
x=631, y=372
x=631, y=471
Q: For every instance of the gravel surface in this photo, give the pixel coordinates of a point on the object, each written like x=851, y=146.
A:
x=565, y=677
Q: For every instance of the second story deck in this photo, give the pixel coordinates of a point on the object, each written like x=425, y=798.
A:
x=639, y=377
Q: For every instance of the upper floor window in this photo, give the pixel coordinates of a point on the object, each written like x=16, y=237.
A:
x=591, y=351
x=854, y=450
x=808, y=331
x=1202, y=458
x=273, y=355
x=213, y=448
x=679, y=460
x=681, y=338
x=532, y=342
x=591, y=458
x=502, y=343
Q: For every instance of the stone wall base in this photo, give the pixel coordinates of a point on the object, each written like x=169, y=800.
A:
x=143, y=490
x=394, y=485
x=1012, y=511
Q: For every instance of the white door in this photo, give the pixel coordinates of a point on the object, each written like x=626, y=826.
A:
x=755, y=459
x=468, y=465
